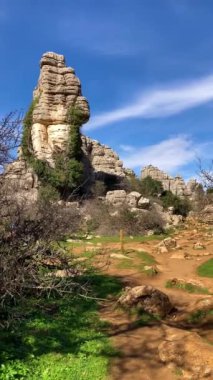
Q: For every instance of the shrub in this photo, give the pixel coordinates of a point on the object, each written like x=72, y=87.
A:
x=48, y=193
x=181, y=206
x=147, y=186
x=105, y=221
x=150, y=187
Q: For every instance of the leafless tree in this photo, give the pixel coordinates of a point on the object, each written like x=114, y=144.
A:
x=206, y=174
x=32, y=259
x=10, y=134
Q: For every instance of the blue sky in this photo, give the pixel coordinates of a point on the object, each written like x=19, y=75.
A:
x=146, y=67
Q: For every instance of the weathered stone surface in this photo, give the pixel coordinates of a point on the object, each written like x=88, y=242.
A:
x=165, y=245
x=102, y=158
x=146, y=298
x=116, y=198
x=207, y=214
x=58, y=89
x=144, y=203
x=175, y=184
x=133, y=198
x=21, y=181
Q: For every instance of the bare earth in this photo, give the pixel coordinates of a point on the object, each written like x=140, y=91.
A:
x=162, y=351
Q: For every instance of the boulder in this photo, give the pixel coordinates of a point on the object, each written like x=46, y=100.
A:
x=207, y=214
x=132, y=199
x=144, y=203
x=116, y=197
x=169, y=243
x=146, y=298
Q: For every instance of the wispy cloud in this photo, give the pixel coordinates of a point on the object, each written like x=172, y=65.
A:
x=126, y=148
x=162, y=102
x=169, y=155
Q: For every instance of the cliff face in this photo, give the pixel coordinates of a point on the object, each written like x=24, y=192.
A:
x=59, y=89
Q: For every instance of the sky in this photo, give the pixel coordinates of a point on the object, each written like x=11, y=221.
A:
x=146, y=68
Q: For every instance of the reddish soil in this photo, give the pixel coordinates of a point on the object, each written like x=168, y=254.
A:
x=139, y=346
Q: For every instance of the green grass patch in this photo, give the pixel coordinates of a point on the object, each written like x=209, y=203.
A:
x=189, y=288
x=59, y=338
x=112, y=239
x=199, y=315
x=206, y=269
x=143, y=259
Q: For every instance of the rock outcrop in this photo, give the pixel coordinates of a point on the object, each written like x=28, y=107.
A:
x=133, y=200
x=146, y=298
x=21, y=181
x=59, y=89
x=103, y=159
x=175, y=184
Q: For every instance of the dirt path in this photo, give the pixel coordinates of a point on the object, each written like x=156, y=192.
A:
x=139, y=346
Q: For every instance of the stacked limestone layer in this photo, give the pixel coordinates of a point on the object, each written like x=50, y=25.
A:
x=58, y=89
x=20, y=181
x=102, y=158
x=175, y=184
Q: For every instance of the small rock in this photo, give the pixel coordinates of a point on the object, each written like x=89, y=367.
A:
x=162, y=249
x=198, y=245
x=119, y=256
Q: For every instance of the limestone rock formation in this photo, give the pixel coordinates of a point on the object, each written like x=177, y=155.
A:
x=176, y=185
x=21, y=181
x=102, y=158
x=58, y=89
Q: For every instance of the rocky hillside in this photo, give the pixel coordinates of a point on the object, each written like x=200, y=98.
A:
x=175, y=184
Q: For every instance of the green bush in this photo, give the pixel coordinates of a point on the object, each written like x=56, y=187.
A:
x=147, y=186
x=48, y=193
x=150, y=187
x=181, y=206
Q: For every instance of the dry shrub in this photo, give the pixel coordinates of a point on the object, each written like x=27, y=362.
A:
x=103, y=219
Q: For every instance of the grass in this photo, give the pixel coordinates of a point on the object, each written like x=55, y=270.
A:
x=143, y=259
x=178, y=371
x=111, y=239
x=199, y=315
x=59, y=338
x=206, y=269
x=187, y=287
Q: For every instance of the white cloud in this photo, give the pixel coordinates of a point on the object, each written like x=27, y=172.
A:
x=169, y=155
x=161, y=102
x=127, y=148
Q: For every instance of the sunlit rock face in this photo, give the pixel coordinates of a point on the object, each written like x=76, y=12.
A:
x=58, y=89
x=175, y=184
